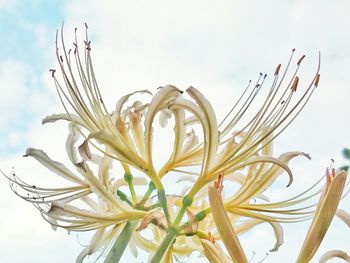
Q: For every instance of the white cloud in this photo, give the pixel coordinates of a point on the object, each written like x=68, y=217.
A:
x=5, y=4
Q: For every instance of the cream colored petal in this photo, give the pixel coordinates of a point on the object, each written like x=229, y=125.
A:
x=63, y=116
x=325, y=211
x=124, y=99
x=159, y=101
x=343, y=215
x=100, y=189
x=121, y=153
x=224, y=227
x=180, y=133
x=59, y=210
x=214, y=253
x=56, y=167
x=265, y=159
x=212, y=138
x=258, y=182
x=84, y=150
x=104, y=170
x=334, y=254
x=92, y=247
x=164, y=116
x=190, y=142
x=72, y=139
x=133, y=248
x=278, y=230
x=191, y=120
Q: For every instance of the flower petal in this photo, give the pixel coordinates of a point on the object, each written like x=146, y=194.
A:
x=159, y=101
x=124, y=99
x=56, y=167
x=212, y=134
x=72, y=138
x=325, y=211
x=334, y=254
x=214, y=253
x=343, y=215
x=224, y=227
x=92, y=247
x=66, y=117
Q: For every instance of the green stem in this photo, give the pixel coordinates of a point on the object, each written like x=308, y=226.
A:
x=124, y=197
x=179, y=216
x=150, y=189
x=164, y=204
x=122, y=241
x=152, y=206
x=132, y=192
x=164, y=246
x=128, y=178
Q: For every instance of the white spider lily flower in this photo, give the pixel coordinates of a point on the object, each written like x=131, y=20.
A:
x=238, y=150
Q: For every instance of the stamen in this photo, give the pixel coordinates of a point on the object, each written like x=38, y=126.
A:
x=317, y=80
x=277, y=69
x=218, y=184
x=300, y=60
x=295, y=84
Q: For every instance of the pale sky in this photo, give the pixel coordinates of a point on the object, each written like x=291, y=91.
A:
x=215, y=46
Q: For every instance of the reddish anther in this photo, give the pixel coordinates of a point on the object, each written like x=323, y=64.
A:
x=300, y=60
x=277, y=69
x=218, y=184
x=317, y=80
x=211, y=238
x=295, y=84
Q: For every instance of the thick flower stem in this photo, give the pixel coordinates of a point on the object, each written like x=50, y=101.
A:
x=122, y=241
x=164, y=246
x=164, y=204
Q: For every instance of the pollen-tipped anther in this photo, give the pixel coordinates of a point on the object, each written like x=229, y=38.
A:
x=317, y=80
x=295, y=84
x=300, y=60
x=277, y=69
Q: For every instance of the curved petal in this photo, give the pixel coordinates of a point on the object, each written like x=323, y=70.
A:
x=212, y=134
x=124, y=99
x=159, y=100
x=72, y=138
x=343, y=215
x=66, y=117
x=224, y=227
x=325, y=211
x=334, y=254
x=92, y=247
x=56, y=167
